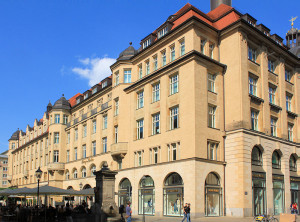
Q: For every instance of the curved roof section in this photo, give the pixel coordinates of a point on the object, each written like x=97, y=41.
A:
x=62, y=103
x=127, y=53
x=15, y=135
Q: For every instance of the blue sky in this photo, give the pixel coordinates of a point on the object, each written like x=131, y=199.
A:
x=48, y=48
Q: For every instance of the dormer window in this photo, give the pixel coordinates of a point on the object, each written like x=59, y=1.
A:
x=251, y=22
x=104, y=84
x=146, y=43
x=86, y=96
x=163, y=32
x=94, y=90
x=78, y=101
x=266, y=33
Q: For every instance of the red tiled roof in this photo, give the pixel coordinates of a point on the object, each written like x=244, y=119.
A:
x=72, y=100
x=226, y=20
x=219, y=11
x=188, y=5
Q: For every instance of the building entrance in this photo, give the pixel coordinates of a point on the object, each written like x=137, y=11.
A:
x=278, y=194
x=259, y=193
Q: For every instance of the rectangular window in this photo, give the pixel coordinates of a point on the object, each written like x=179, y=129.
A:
x=254, y=120
x=94, y=148
x=155, y=155
x=155, y=63
x=146, y=43
x=57, y=118
x=211, y=50
x=202, y=47
x=212, y=150
x=105, y=122
x=75, y=154
x=65, y=119
x=172, y=53
x=156, y=92
x=174, y=84
x=140, y=99
x=76, y=134
x=55, y=156
x=56, y=138
x=272, y=92
x=127, y=76
x=252, y=86
x=140, y=158
x=271, y=66
x=288, y=75
x=162, y=32
x=182, y=48
x=140, y=129
x=104, y=84
x=163, y=58
x=155, y=124
x=104, y=144
x=290, y=132
x=212, y=116
x=46, y=159
x=94, y=90
x=273, y=127
x=68, y=156
x=117, y=79
x=288, y=103
x=94, y=126
x=116, y=134
x=140, y=71
x=147, y=67
x=173, y=151
x=86, y=96
x=83, y=151
x=174, y=118
x=84, y=132
x=211, y=82
x=116, y=106
x=251, y=54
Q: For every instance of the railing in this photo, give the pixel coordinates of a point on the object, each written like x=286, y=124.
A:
x=56, y=166
x=68, y=124
x=93, y=111
x=104, y=106
x=119, y=149
x=75, y=120
x=84, y=116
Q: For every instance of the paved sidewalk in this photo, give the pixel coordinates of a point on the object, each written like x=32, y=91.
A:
x=208, y=219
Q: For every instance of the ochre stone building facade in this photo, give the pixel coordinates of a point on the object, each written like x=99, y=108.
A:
x=205, y=112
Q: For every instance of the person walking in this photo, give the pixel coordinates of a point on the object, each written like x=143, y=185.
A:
x=68, y=213
x=186, y=212
x=128, y=212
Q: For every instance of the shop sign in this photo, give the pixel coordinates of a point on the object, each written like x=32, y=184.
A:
x=123, y=192
x=174, y=191
x=277, y=177
x=295, y=179
x=259, y=175
x=213, y=190
x=147, y=192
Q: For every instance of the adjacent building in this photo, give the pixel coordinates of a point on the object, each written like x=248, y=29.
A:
x=4, y=170
x=205, y=112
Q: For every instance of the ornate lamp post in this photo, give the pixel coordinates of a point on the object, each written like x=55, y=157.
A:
x=80, y=187
x=38, y=174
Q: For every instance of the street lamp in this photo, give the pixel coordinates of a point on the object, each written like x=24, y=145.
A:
x=38, y=174
x=80, y=187
x=143, y=189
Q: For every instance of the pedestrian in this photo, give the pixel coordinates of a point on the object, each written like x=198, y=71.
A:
x=128, y=212
x=186, y=212
x=68, y=213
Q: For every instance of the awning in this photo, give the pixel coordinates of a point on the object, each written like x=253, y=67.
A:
x=85, y=192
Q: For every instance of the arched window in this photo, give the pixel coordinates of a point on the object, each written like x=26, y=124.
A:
x=87, y=186
x=213, y=195
x=93, y=169
x=293, y=163
x=173, y=195
x=256, y=156
x=276, y=160
x=83, y=172
x=67, y=175
x=147, y=196
x=75, y=173
x=125, y=192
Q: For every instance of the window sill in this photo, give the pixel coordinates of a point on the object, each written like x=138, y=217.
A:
x=139, y=108
x=254, y=62
x=289, y=82
x=275, y=107
x=291, y=114
x=212, y=92
x=210, y=127
x=272, y=73
x=173, y=129
x=173, y=94
x=256, y=99
x=154, y=134
x=155, y=101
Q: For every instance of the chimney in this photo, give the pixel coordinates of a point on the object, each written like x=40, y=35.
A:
x=215, y=3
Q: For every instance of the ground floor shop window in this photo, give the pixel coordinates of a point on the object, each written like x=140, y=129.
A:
x=278, y=194
x=213, y=196
x=125, y=192
x=147, y=196
x=259, y=193
x=295, y=192
x=173, y=195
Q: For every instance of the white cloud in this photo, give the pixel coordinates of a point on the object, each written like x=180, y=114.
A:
x=94, y=69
